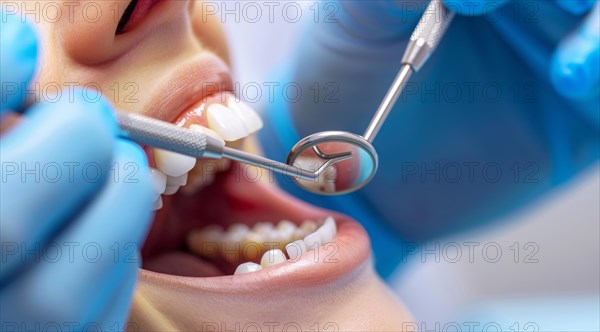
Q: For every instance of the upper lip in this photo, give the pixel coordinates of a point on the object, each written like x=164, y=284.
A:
x=192, y=81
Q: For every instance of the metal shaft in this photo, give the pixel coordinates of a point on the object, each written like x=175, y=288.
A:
x=272, y=165
x=166, y=136
x=424, y=40
x=388, y=102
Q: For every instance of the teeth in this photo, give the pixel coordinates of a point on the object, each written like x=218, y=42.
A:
x=247, y=267
x=313, y=241
x=272, y=257
x=206, y=131
x=179, y=181
x=253, y=245
x=206, y=242
x=325, y=182
x=226, y=122
x=241, y=242
x=307, y=227
x=173, y=164
x=328, y=230
x=174, y=183
x=237, y=233
x=251, y=120
x=198, y=181
x=171, y=190
x=262, y=227
x=296, y=249
x=158, y=204
x=286, y=228
x=159, y=182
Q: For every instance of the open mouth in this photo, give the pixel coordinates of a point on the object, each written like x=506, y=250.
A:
x=225, y=223
x=238, y=225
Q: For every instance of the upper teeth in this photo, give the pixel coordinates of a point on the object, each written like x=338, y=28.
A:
x=159, y=182
x=234, y=121
x=230, y=123
x=173, y=164
x=250, y=119
x=284, y=238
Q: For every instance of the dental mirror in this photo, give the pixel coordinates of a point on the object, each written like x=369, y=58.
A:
x=349, y=162
x=352, y=159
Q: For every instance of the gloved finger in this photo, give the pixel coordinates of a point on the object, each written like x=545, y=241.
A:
x=120, y=305
x=382, y=20
x=474, y=7
x=575, y=68
x=576, y=7
x=105, y=241
x=18, y=57
x=53, y=161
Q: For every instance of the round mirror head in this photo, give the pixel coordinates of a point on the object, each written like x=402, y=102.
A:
x=346, y=162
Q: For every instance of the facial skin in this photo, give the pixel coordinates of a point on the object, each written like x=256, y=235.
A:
x=131, y=66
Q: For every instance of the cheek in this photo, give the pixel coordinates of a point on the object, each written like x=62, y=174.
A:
x=209, y=32
x=87, y=29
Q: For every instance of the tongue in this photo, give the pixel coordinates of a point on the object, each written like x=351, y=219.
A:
x=181, y=264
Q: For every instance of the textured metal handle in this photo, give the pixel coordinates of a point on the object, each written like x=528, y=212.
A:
x=428, y=34
x=166, y=136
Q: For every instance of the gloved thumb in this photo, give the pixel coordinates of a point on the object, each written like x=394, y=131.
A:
x=474, y=7
x=18, y=58
x=53, y=162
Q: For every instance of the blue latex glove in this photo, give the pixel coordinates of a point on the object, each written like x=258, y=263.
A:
x=514, y=90
x=76, y=202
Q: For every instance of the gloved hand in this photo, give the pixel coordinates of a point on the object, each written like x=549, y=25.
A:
x=76, y=203
x=505, y=110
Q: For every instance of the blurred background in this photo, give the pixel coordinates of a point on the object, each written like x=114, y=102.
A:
x=547, y=276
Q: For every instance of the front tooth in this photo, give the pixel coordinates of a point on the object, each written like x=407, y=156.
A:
x=313, y=241
x=159, y=182
x=249, y=117
x=296, y=249
x=158, y=204
x=272, y=257
x=225, y=122
x=171, y=190
x=206, y=131
x=328, y=230
x=179, y=181
x=173, y=164
x=247, y=267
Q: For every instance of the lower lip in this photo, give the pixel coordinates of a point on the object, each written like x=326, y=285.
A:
x=329, y=263
x=349, y=250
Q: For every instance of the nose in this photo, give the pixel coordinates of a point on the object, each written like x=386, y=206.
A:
x=89, y=31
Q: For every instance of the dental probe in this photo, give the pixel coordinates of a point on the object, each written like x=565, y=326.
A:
x=166, y=136
x=423, y=42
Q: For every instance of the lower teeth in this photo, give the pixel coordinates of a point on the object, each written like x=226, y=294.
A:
x=270, y=243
